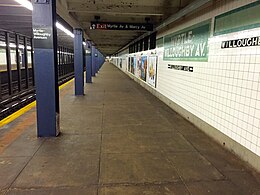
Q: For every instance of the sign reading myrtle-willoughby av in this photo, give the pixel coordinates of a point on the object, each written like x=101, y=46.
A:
x=190, y=44
x=180, y=67
x=42, y=37
x=246, y=42
x=120, y=26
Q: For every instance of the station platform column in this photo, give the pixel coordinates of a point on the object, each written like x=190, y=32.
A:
x=93, y=56
x=97, y=61
x=46, y=68
x=78, y=62
x=88, y=57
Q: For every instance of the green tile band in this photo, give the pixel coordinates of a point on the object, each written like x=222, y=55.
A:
x=243, y=18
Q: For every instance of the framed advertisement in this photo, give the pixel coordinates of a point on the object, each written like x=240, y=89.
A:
x=143, y=70
x=152, y=71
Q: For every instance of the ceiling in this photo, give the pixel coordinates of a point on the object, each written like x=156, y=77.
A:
x=16, y=18
x=129, y=11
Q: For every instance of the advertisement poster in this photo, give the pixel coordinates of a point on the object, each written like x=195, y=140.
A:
x=152, y=70
x=190, y=44
x=131, y=65
x=139, y=67
x=120, y=64
x=134, y=65
x=144, y=68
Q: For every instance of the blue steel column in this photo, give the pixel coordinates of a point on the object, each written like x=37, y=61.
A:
x=89, y=63
x=101, y=63
x=78, y=62
x=99, y=60
x=93, y=56
x=96, y=59
x=46, y=70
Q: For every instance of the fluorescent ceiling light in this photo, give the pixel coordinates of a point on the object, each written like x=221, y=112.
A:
x=62, y=28
x=25, y=3
x=28, y=5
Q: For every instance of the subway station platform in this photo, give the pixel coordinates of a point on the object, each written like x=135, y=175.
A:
x=118, y=139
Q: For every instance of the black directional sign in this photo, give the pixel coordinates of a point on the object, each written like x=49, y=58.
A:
x=41, y=1
x=180, y=67
x=120, y=26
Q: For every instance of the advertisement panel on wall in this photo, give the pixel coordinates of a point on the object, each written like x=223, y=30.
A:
x=152, y=70
x=132, y=65
x=190, y=44
x=143, y=68
x=129, y=64
x=120, y=63
x=138, y=67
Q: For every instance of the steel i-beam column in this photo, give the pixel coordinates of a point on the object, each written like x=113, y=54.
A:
x=78, y=62
x=46, y=70
x=99, y=61
x=89, y=63
x=96, y=60
x=93, y=56
x=97, y=67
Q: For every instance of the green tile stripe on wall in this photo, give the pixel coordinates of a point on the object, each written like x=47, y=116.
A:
x=159, y=42
x=243, y=18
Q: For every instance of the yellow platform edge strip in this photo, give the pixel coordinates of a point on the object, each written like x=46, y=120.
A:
x=25, y=109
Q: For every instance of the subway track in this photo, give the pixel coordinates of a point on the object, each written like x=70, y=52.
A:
x=12, y=103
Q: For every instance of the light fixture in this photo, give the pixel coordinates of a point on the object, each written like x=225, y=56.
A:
x=84, y=43
x=62, y=28
x=29, y=6
x=25, y=3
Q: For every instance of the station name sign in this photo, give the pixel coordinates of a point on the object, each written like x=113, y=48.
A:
x=190, y=44
x=43, y=37
x=246, y=42
x=120, y=26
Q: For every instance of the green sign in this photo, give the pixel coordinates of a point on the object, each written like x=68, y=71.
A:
x=190, y=44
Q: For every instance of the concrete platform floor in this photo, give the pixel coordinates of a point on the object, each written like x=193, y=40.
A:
x=118, y=139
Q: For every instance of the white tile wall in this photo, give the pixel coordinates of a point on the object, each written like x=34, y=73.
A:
x=236, y=79
x=225, y=91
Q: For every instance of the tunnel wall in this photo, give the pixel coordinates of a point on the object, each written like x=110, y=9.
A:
x=216, y=85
